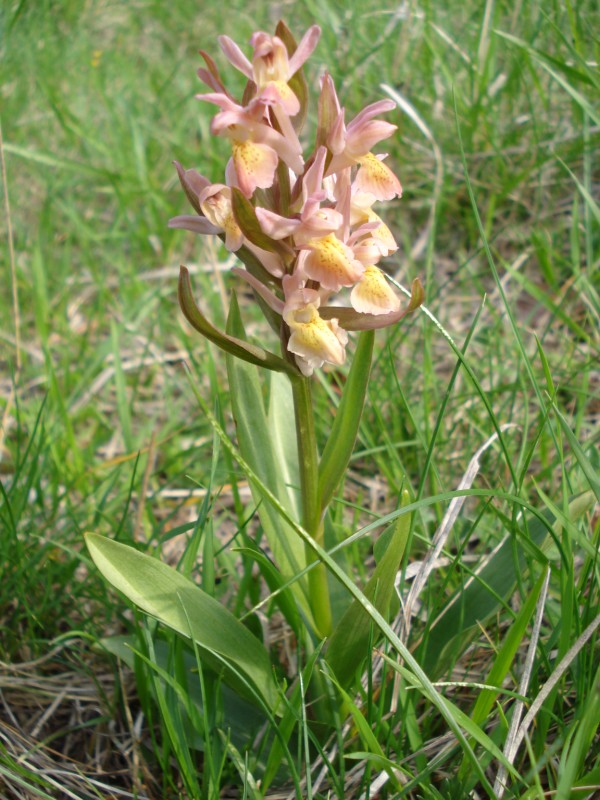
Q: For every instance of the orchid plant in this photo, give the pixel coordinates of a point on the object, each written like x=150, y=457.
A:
x=303, y=227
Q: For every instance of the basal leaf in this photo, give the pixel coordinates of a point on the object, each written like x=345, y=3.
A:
x=483, y=593
x=164, y=593
x=255, y=440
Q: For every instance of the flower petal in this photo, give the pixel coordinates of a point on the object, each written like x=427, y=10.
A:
x=215, y=202
x=255, y=165
x=377, y=178
x=235, y=56
x=305, y=49
x=371, y=111
x=363, y=139
x=190, y=222
x=373, y=294
x=270, y=60
x=278, y=93
x=274, y=225
x=193, y=183
x=314, y=340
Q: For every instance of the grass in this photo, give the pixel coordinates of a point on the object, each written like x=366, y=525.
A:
x=498, y=129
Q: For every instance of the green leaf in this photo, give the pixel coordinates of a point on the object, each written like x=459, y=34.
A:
x=503, y=663
x=419, y=676
x=289, y=718
x=582, y=744
x=460, y=719
x=275, y=581
x=505, y=656
x=342, y=438
x=539, y=55
x=255, y=439
x=586, y=465
x=349, y=643
x=283, y=436
x=368, y=738
x=590, y=202
x=164, y=593
x=481, y=596
x=232, y=345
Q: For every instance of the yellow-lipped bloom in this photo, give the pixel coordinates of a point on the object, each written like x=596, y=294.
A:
x=314, y=340
x=373, y=294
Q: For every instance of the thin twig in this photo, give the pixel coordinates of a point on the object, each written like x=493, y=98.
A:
x=510, y=751
x=547, y=688
x=11, y=256
x=145, y=481
x=444, y=530
x=438, y=181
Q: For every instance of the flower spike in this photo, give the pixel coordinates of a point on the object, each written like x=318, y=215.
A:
x=304, y=230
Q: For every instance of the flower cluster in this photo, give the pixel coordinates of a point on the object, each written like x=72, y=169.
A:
x=305, y=229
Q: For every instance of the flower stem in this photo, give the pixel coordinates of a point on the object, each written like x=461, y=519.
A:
x=309, y=490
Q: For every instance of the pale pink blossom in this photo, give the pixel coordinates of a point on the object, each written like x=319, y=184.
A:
x=272, y=67
x=352, y=144
x=377, y=178
x=215, y=202
x=256, y=146
x=312, y=221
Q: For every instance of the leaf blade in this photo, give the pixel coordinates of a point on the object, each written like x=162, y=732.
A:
x=162, y=592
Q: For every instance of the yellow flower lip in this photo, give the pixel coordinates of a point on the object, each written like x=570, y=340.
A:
x=314, y=340
x=373, y=294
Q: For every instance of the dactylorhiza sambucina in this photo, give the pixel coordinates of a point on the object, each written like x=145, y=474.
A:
x=304, y=227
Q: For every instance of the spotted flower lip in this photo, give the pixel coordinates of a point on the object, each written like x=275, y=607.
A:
x=373, y=294
x=332, y=263
x=377, y=178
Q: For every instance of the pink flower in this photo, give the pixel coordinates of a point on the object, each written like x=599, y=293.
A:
x=353, y=144
x=377, y=178
x=215, y=202
x=256, y=146
x=312, y=221
x=272, y=67
x=303, y=233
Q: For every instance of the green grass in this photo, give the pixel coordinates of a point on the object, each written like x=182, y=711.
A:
x=497, y=150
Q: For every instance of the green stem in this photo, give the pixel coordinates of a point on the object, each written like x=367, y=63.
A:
x=311, y=511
